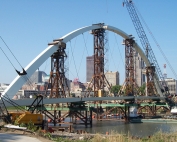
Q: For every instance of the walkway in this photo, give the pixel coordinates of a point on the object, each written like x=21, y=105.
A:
x=5, y=137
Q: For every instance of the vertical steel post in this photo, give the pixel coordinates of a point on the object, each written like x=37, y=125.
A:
x=99, y=80
x=86, y=118
x=54, y=121
x=57, y=79
x=90, y=117
x=129, y=67
x=150, y=85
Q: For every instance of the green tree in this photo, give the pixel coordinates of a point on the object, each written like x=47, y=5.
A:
x=142, y=89
x=73, y=95
x=115, y=89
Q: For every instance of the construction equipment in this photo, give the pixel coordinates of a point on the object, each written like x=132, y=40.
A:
x=146, y=45
x=20, y=116
x=4, y=115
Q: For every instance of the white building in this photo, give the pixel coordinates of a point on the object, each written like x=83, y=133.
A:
x=139, y=66
x=172, y=85
x=112, y=77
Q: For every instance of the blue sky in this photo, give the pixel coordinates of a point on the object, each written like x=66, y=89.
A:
x=28, y=26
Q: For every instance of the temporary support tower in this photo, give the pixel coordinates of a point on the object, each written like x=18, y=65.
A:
x=57, y=80
x=99, y=80
x=129, y=87
x=150, y=85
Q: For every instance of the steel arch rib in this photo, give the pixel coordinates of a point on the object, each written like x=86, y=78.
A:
x=17, y=83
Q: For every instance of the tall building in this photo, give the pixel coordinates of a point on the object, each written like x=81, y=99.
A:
x=77, y=87
x=89, y=67
x=37, y=77
x=112, y=77
x=172, y=85
x=139, y=66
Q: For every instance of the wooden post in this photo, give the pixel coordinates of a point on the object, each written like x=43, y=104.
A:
x=86, y=118
x=54, y=121
x=70, y=128
x=59, y=115
x=128, y=115
x=90, y=117
x=125, y=113
x=97, y=111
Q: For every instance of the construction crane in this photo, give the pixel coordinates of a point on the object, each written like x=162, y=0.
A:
x=146, y=45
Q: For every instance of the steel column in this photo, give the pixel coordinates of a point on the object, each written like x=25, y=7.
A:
x=98, y=81
x=130, y=86
x=57, y=75
x=150, y=85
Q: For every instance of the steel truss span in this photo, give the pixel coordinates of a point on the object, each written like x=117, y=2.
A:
x=17, y=83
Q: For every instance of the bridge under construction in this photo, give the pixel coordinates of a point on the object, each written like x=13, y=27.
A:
x=155, y=98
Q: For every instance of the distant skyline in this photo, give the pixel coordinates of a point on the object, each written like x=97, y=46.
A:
x=28, y=26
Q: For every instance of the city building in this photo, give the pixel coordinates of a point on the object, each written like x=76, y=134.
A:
x=3, y=86
x=112, y=77
x=172, y=85
x=140, y=77
x=31, y=93
x=76, y=87
x=26, y=90
x=89, y=67
x=37, y=77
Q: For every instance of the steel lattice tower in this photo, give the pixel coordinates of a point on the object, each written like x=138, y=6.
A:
x=130, y=86
x=57, y=78
x=98, y=80
x=150, y=85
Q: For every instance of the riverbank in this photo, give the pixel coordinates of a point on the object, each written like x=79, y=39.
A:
x=158, y=120
x=86, y=137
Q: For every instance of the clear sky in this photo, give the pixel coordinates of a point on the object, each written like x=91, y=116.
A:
x=27, y=26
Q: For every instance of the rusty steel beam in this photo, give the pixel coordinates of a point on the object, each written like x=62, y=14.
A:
x=98, y=59
x=150, y=85
x=57, y=78
x=130, y=86
x=98, y=81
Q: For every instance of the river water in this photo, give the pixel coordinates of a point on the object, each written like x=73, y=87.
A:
x=134, y=129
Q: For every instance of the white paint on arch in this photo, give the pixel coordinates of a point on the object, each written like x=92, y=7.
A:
x=17, y=83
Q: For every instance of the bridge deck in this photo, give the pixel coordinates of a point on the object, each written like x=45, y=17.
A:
x=27, y=102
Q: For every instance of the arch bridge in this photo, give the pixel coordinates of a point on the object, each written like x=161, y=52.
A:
x=60, y=44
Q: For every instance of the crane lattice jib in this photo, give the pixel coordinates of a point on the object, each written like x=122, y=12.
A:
x=143, y=38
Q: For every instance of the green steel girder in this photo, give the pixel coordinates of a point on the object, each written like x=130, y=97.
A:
x=112, y=105
x=102, y=105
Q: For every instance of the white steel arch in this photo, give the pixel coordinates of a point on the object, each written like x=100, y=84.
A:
x=44, y=55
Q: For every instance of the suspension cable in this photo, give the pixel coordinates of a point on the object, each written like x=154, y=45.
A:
x=85, y=43
x=74, y=48
x=119, y=50
x=74, y=61
x=83, y=53
x=112, y=57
